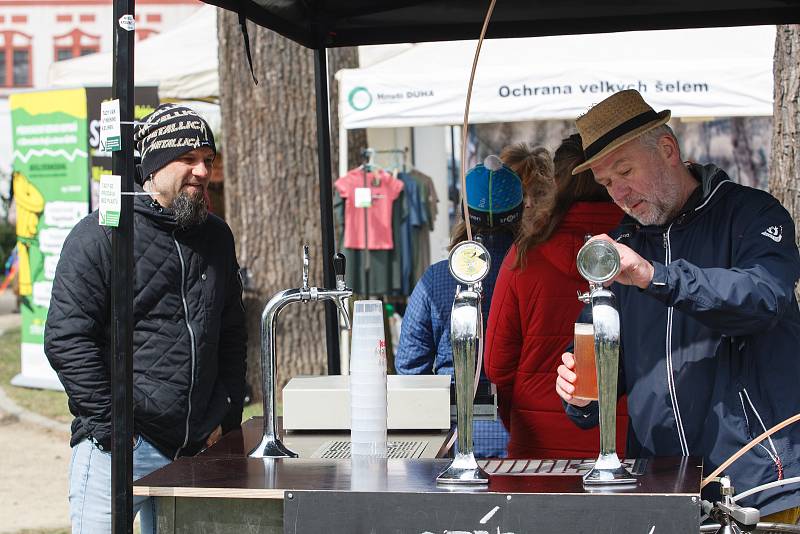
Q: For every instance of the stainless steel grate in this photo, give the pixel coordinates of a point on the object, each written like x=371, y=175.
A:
x=551, y=467
x=395, y=449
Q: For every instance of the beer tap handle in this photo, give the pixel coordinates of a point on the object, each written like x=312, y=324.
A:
x=306, y=261
x=339, y=264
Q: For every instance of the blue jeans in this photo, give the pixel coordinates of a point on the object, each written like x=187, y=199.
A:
x=90, y=487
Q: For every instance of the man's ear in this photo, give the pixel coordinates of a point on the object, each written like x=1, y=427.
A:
x=669, y=150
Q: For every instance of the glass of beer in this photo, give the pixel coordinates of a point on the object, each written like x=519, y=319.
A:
x=585, y=366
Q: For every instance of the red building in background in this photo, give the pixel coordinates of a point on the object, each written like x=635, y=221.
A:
x=35, y=33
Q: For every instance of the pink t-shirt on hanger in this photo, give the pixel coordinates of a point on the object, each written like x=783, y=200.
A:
x=384, y=189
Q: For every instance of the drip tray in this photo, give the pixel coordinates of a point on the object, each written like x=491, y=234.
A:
x=395, y=449
x=552, y=467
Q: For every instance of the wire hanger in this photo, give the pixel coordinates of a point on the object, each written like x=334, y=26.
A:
x=368, y=159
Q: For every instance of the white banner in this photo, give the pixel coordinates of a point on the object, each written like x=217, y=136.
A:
x=709, y=72
x=707, y=90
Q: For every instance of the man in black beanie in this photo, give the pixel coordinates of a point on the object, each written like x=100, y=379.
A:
x=189, y=332
x=170, y=141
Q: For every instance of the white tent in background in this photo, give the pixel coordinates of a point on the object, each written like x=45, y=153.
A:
x=183, y=62
x=694, y=72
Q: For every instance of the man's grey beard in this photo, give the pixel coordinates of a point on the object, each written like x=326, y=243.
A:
x=189, y=210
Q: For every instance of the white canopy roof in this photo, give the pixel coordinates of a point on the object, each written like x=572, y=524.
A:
x=694, y=72
x=182, y=61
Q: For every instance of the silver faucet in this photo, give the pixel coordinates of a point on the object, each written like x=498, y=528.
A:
x=599, y=262
x=271, y=446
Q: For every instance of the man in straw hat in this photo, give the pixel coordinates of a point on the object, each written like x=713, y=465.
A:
x=710, y=324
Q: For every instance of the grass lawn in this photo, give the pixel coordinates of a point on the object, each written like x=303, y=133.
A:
x=52, y=404
x=254, y=409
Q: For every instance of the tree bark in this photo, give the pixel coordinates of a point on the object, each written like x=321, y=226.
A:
x=784, y=176
x=272, y=186
x=743, y=153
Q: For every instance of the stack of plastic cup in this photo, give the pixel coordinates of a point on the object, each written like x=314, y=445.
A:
x=368, y=380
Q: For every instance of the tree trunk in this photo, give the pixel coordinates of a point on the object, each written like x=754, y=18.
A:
x=743, y=156
x=272, y=186
x=784, y=176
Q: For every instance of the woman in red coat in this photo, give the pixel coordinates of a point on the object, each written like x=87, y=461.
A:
x=535, y=305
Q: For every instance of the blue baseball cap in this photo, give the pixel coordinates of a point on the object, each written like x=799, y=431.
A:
x=494, y=193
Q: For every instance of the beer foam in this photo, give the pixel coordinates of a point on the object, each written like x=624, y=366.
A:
x=608, y=461
x=606, y=320
x=584, y=329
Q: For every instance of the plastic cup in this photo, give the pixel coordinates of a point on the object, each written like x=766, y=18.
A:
x=368, y=380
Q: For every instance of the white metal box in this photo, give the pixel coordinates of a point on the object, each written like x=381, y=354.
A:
x=414, y=402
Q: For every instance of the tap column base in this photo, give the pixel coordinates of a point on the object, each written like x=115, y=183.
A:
x=464, y=470
x=608, y=470
x=271, y=448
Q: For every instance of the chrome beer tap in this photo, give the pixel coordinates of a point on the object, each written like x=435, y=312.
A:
x=469, y=264
x=271, y=446
x=599, y=262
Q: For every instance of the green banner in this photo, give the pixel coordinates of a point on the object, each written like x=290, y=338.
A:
x=57, y=167
x=51, y=191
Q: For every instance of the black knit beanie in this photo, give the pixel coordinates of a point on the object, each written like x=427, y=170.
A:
x=167, y=133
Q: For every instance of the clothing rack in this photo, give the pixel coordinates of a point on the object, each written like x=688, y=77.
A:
x=405, y=266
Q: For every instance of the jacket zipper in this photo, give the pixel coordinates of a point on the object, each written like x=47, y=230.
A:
x=191, y=338
x=668, y=350
x=772, y=454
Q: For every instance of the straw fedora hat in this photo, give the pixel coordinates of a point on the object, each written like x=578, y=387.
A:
x=613, y=122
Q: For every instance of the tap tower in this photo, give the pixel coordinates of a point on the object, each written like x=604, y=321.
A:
x=271, y=445
x=469, y=264
x=599, y=262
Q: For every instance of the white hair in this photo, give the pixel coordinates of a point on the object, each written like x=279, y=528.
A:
x=650, y=138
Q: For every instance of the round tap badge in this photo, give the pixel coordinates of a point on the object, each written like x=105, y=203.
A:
x=598, y=261
x=469, y=262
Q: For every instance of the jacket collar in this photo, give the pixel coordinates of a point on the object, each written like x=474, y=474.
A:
x=145, y=205
x=711, y=179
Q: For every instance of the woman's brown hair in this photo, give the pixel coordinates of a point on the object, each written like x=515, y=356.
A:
x=549, y=208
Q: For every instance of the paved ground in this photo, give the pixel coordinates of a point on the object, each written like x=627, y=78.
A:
x=33, y=469
x=34, y=459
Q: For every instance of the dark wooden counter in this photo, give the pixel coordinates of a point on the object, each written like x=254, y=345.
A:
x=209, y=476
x=222, y=491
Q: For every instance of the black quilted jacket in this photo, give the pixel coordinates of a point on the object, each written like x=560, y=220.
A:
x=189, y=331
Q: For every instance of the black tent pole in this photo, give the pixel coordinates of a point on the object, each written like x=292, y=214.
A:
x=326, y=204
x=122, y=280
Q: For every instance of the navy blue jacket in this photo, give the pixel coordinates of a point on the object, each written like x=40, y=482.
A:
x=711, y=349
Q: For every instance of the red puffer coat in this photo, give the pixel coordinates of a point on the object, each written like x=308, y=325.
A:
x=530, y=324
